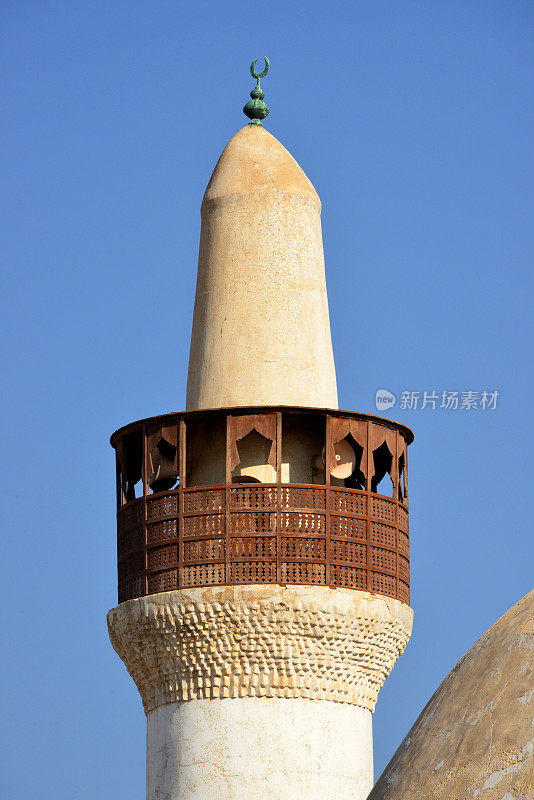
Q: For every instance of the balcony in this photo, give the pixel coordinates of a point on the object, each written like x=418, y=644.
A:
x=192, y=510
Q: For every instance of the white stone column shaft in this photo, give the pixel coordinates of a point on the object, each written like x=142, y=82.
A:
x=256, y=748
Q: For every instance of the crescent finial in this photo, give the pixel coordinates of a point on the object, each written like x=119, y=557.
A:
x=255, y=109
x=265, y=71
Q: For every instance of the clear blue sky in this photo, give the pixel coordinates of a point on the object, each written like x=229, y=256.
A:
x=414, y=120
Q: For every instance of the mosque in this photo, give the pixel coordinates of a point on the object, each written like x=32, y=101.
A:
x=263, y=544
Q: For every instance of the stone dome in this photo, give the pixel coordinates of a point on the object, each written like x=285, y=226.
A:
x=475, y=736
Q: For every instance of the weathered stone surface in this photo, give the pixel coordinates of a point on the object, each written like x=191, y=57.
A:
x=261, y=328
x=475, y=737
x=256, y=748
x=260, y=641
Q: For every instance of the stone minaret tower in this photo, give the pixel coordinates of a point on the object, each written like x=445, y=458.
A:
x=263, y=572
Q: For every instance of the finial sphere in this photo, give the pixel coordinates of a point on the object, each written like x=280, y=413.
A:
x=255, y=109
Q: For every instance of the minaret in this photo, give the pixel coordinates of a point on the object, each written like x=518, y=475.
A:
x=263, y=567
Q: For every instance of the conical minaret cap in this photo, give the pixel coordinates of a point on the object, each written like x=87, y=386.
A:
x=261, y=330
x=254, y=162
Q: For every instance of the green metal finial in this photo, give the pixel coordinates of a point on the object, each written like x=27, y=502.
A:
x=255, y=109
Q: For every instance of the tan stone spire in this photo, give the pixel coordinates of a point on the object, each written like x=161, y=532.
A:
x=261, y=330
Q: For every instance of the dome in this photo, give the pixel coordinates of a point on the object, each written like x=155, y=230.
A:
x=475, y=737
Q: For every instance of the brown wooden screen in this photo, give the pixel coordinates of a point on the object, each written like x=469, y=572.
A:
x=283, y=533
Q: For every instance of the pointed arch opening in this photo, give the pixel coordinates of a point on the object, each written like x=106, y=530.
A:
x=357, y=480
x=253, y=466
x=382, y=482
x=401, y=489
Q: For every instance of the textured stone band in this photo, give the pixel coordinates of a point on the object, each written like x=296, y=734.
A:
x=260, y=641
